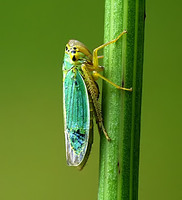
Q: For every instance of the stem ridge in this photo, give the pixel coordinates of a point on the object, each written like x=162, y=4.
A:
x=123, y=61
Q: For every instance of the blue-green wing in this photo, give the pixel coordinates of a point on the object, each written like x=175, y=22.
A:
x=77, y=117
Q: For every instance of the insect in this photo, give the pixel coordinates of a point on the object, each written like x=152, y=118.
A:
x=80, y=92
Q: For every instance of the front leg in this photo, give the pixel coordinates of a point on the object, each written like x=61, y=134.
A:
x=95, y=56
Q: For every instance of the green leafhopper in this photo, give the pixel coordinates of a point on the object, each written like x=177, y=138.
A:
x=80, y=92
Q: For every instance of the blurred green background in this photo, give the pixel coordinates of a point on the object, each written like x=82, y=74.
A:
x=33, y=35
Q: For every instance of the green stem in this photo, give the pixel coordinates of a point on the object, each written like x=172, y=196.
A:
x=123, y=61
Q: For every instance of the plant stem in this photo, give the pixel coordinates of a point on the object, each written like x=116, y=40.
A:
x=123, y=61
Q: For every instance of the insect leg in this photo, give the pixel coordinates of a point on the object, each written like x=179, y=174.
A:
x=95, y=57
x=96, y=75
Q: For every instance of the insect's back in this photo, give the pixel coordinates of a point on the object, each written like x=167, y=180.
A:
x=77, y=117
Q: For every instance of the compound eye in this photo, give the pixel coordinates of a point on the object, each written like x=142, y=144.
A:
x=74, y=58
